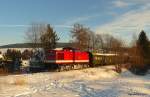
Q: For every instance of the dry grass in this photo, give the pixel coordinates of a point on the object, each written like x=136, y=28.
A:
x=20, y=81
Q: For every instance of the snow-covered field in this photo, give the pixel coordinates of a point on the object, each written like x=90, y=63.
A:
x=91, y=82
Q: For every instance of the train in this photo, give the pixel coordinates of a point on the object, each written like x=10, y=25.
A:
x=64, y=59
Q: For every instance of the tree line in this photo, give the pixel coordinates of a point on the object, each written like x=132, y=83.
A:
x=82, y=38
x=85, y=39
x=12, y=54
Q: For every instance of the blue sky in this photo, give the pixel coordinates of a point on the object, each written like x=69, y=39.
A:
x=121, y=18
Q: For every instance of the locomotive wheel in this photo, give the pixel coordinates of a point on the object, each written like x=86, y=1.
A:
x=84, y=66
x=63, y=67
x=59, y=68
x=72, y=67
x=67, y=67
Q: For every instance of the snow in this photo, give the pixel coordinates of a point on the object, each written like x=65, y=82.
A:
x=91, y=82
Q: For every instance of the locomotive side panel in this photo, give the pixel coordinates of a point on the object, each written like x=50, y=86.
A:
x=64, y=57
x=59, y=57
x=81, y=57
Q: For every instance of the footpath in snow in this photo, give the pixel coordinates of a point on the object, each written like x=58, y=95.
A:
x=91, y=82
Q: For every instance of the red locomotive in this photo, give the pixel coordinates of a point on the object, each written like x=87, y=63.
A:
x=66, y=59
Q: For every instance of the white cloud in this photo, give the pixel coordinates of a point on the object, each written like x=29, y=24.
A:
x=81, y=19
x=9, y=26
x=62, y=26
x=120, y=3
x=131, y=22
x=67, y=24
x=139, y=1
x=20, y=26
x=127, y=3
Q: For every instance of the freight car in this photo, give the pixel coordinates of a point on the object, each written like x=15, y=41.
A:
x=100, y=59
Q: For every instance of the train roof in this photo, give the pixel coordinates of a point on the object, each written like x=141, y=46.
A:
x=65, y=48
x=105, y=54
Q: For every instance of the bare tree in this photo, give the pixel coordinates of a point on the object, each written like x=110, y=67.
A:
x=114, y=45
x=96, y=42
x=108, y=40
x=80, y=35
x=86, y=39
x=33, y=34
x=134, y=40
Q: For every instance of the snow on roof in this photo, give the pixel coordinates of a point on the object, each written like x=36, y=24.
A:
x=58, y=49
x=104, y=54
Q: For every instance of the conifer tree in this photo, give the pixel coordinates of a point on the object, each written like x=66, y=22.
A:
x=143, y=46
x=49, y=38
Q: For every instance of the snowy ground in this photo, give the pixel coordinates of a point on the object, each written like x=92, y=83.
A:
x=92, y=82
